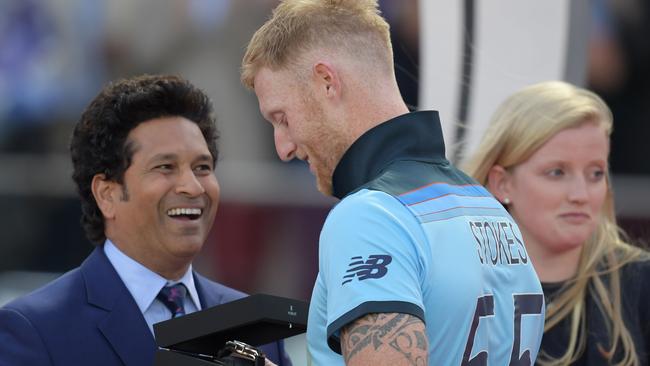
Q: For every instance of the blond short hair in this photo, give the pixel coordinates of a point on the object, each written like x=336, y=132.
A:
x=298, y=26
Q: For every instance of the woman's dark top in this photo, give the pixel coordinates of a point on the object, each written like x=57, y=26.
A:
x=635, y=300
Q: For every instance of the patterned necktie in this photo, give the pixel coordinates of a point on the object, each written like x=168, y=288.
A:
x=172, y=297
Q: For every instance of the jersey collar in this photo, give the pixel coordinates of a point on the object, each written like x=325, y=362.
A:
x=411, y=136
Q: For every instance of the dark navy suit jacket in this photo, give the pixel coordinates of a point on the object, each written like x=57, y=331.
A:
x=88, y=317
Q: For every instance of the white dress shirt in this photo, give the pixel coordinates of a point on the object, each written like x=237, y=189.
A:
x=144, y=285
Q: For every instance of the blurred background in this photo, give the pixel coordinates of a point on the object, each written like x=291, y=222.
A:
x=55, y=56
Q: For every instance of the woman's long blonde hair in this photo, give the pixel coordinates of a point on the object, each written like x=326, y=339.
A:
x=519, y=127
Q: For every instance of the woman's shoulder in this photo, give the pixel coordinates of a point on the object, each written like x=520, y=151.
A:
x=635, y=279
x=638, y=265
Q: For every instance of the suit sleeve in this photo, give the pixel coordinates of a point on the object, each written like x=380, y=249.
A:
x=20, y=343
x=276, y=353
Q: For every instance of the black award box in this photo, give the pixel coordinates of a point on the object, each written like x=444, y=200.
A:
x=196, y=338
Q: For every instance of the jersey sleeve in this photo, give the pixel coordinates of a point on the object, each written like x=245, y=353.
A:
x=371, y=260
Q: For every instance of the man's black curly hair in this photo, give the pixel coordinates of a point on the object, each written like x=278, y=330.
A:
x=99, y=141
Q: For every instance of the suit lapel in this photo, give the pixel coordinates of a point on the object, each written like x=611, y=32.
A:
x=123, y=326
x=208, y=298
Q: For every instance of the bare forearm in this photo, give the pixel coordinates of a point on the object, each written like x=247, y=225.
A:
x=385, y=339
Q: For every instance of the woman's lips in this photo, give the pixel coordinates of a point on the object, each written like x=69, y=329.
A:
x=575, y=217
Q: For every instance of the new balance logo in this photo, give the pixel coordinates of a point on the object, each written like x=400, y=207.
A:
x=374, y=267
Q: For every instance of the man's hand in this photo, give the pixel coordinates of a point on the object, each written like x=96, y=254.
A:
x=385, y=339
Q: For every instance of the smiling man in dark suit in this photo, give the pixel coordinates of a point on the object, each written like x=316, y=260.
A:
x=143, y=153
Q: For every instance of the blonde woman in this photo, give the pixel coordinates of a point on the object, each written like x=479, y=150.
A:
x=545, y=157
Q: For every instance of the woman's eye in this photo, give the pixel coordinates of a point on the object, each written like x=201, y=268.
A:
x=557, y=172
x=597, y=174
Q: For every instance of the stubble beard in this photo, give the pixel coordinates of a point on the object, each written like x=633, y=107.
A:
x=324, y=183
x=328, y=160
x=333, y=144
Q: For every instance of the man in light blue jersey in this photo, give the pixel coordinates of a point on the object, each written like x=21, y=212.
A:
x=418, y=264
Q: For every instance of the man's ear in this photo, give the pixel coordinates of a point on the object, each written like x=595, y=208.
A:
x=327, y=79
x=105, y=192
x=498, y=183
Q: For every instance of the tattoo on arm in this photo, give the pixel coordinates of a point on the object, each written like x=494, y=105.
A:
x=400, y=334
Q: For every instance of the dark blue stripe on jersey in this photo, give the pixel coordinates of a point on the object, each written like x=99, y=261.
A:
x=367, y=308
x=463, y=211
x=437, y=190
x=453, y=202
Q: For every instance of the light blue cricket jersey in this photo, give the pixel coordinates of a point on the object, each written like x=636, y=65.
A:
x=414, y=235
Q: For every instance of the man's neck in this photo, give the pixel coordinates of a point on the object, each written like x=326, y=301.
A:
x=172, y=274
x=373, y=113
x=170, y=269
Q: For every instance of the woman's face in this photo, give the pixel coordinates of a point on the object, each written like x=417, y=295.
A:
x=557, y=194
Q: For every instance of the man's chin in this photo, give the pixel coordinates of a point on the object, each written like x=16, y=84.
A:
x=324, y=186
x=188, y=246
